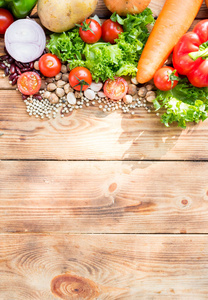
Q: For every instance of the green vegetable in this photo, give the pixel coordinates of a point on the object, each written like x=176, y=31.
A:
x=68, y=46
x=103, y=59
x=19, y=8
x=106, y=61
x=185, y=103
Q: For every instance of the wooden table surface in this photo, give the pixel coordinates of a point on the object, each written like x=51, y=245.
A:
x=101, y=206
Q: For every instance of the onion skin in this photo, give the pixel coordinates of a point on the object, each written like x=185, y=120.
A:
x=59, y=16
x=25, y=40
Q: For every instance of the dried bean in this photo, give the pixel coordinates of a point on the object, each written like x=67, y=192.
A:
x=24, y=97
x=12, y=69
x=18, y=71
x=36, y=65
x=36, y=71
x=31, y=65
x=4, y=57
x=14, y=81
x=6, y=71
x=25, y=70
x=10, y=60
x=12, y=76
x=2, y=66
x=26, y=65
x=17, y=63
x=37, y=96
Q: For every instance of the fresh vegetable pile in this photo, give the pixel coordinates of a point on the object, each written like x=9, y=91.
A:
x=119, y=64
x=117, y=56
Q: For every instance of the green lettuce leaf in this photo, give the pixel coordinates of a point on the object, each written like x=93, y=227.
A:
x=185, y=103
x=103, y=59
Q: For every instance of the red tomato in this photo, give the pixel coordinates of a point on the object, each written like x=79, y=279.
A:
x=115, y=89
x=80, y=78
x=29, y=83
x=110, y=31
x=162, y=79
x=6, y=19
x=90, y=31
x=49, y=65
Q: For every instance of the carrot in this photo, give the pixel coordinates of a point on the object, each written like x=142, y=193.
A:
x=174, y=20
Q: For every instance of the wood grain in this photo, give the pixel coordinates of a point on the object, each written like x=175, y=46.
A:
x=100, y=197
x=90, y=134
x=111, y=266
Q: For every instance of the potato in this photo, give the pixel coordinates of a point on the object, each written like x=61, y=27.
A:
x=59, y=16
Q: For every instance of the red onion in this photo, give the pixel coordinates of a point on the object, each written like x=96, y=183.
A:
x=25, y=40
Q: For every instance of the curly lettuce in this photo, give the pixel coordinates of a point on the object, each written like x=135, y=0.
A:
x=185, y=103
x=103, y=59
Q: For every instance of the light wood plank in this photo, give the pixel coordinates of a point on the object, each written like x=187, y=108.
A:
x=104, y=267
x=100, y=197
x=92, y=134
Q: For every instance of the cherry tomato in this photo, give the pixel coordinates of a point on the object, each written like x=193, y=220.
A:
x=49, y=65
x=115, y=89
x=110, y=31
x=162, y=79
x=29, y=83
x=90, y=31
x=80, y=78
x=6, y=19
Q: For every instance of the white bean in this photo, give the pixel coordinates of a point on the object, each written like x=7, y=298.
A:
x=101, y=95
x=71, y=98
x=96, y=86
x=89, y=94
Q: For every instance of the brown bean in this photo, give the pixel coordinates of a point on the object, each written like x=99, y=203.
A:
x=10, y=60
x=24, y=97
x=6, y=71
x=4, y=57
x=31, y=65
x=18, y=71
x=17, y=63
x=14, y=81
x=12, y=68
x=26, y=65
x=12, y=76
x=36, y=71
x=2, y=66
x=37, y=96
x=25, y=70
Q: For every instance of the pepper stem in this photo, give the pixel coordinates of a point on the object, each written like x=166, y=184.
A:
x=203, y=52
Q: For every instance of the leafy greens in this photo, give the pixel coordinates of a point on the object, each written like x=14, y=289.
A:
x=185, y=103
x=103, y=59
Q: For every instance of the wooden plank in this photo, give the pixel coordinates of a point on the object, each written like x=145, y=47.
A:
x=91, y=134
x=100, y=197
x=103, y=267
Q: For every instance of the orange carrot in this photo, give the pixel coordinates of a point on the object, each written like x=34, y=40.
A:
x=174, y=20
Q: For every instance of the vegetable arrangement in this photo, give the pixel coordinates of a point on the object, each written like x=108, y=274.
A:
x=87, y=60
x=174, y=20
x=106, y=60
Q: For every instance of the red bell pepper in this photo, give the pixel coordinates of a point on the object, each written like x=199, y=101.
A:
x=190, y=55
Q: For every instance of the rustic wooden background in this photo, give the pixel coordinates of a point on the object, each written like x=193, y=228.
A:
x=101, y=206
